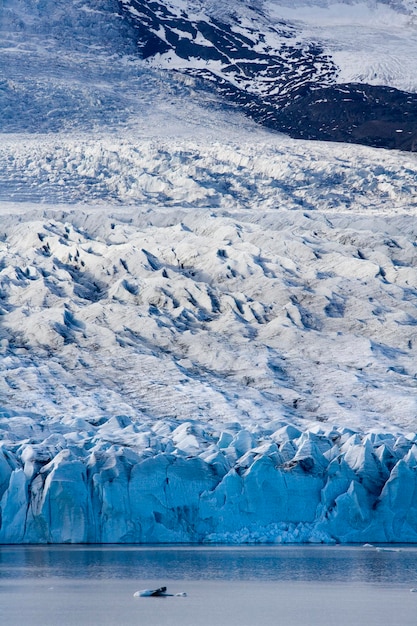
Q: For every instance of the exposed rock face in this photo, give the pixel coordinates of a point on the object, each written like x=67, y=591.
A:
x=270, y=70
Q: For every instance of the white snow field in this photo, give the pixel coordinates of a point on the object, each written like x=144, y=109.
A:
x=372, y=42
x=208, y=332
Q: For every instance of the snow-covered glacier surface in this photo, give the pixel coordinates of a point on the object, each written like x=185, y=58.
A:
x=207, y=331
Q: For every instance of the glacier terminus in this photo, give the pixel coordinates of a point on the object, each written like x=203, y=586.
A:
x=208, y=271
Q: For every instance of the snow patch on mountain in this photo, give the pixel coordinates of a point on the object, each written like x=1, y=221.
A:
x=374, y=43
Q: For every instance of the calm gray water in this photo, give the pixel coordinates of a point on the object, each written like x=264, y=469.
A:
x=225, y=586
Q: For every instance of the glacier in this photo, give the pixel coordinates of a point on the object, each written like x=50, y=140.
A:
x=207, y=329
x=120, y=482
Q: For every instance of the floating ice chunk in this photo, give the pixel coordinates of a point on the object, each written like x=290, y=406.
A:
x=379, y=549
x=148, y=593
x=160, y=592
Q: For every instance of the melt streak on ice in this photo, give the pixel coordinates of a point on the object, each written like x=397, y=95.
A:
x=207, y=331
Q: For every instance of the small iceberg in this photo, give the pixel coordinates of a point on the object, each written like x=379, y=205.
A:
x=161, y=592
x=388, y=549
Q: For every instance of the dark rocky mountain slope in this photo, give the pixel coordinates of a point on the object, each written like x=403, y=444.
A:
x=270, y=71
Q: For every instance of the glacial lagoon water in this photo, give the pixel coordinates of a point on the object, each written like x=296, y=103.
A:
x=225, y=586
